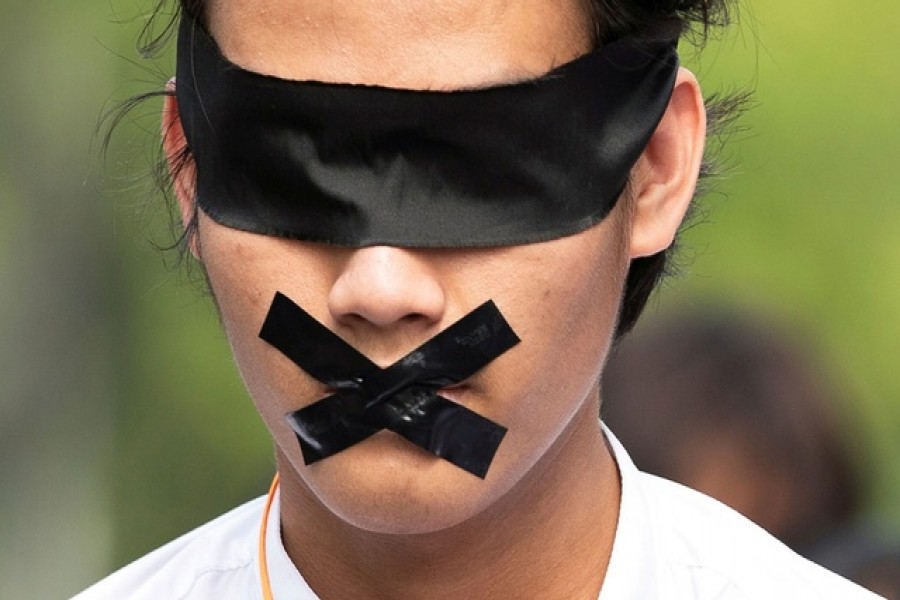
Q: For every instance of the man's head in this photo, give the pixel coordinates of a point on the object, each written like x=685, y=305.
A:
x=561, y=296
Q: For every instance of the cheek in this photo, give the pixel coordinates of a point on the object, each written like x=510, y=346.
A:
x=570, y=312
x=565, y=317
x=562, y=359
x=245, y=271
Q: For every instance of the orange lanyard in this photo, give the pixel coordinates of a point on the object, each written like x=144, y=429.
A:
x=263, y=565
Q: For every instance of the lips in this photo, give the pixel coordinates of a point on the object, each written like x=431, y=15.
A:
x=456, y=393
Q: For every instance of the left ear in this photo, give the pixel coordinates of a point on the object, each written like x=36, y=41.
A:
x=666, y=175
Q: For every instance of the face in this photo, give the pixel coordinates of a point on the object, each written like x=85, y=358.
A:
x=561, y=297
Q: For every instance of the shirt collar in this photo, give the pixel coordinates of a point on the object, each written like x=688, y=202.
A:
x=633, y=566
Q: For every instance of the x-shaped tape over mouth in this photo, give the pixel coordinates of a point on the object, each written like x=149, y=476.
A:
x=403, y=397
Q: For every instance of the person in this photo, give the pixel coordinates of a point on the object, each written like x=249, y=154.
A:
x=423, y=224
x=744, y=412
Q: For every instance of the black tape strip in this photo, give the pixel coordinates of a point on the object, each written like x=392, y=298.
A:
x=311, y=345
x=401, y=398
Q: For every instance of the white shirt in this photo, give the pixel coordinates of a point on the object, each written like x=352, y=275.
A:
x=671, y=543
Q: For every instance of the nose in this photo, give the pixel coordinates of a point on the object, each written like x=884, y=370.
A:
x=384, y=285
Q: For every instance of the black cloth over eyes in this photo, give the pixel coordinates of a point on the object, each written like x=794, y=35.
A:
x=403, y=397
x=360, y=165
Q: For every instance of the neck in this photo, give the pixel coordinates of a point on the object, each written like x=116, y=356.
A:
x=550, y=536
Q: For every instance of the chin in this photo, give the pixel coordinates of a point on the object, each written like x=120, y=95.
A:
x=387, y=485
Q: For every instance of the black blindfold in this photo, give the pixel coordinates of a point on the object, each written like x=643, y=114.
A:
x=360, y=165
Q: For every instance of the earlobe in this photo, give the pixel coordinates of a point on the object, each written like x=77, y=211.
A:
x=182, y=169
x=665, y=177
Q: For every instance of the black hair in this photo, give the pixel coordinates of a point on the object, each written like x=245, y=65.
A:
x=610, y=20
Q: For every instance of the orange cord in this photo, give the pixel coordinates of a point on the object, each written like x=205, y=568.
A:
x=263, y=565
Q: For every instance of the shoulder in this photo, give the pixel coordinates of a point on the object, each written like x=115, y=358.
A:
x=705, y=545
x=673, y=542
x=216, y=560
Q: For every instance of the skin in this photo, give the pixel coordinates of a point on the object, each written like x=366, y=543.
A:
x=385, y=519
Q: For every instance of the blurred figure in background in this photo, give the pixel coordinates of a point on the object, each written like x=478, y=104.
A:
x=742, y=412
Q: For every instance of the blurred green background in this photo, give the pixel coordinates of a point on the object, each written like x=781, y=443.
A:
x=122, y=420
